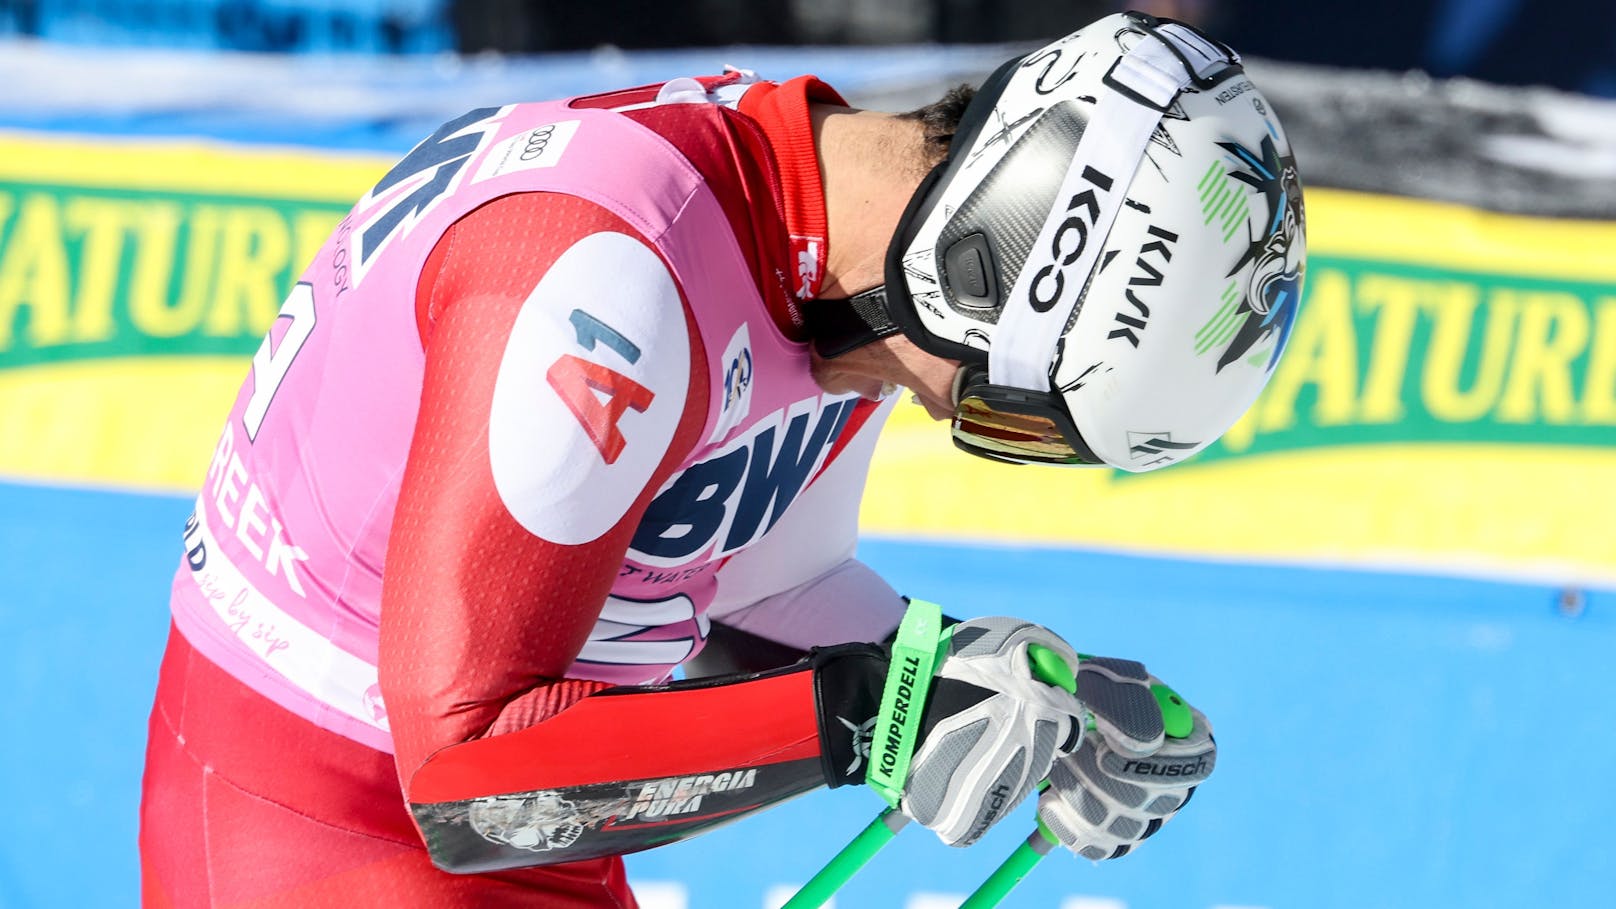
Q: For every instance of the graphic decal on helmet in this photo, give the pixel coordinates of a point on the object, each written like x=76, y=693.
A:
x=1272, y=292
x=1146, y=444
x=1006, y=129
x=1163, y=139
x=1222, y=201
x=926, y=293
x=1119, y=216
x=1052, y=78
x=1074, y=384
x=1221, y=327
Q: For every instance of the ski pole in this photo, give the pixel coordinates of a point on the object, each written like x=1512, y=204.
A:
x=1046, y=665
x=841, y=868
x=1005, y=877
x=1179, y=723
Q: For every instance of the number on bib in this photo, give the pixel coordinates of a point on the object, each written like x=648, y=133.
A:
x=270, y=363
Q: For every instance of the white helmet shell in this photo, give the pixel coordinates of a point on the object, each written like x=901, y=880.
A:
x=1119, y=221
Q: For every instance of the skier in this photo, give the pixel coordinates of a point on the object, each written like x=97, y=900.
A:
x=583, y=392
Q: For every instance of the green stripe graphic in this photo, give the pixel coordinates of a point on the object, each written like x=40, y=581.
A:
x=1223, y=323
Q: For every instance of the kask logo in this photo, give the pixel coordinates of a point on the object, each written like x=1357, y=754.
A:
x=735, y=496
x=1147, y=274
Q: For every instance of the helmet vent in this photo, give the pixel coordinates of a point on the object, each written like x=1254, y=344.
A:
x=968, y=271
x=985, y=244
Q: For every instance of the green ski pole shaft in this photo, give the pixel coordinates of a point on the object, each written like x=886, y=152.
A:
x=1009, y=874
x=840, y=869
x=1046, y=665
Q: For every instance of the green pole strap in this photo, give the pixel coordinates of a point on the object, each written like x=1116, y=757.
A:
x=1009, y=874
x=897, y=728
x=855, y=855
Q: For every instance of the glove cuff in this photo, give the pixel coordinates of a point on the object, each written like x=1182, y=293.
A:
x=847, y=691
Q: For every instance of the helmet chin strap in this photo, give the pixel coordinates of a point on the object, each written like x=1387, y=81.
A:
x=838, y=325
x=962, y=377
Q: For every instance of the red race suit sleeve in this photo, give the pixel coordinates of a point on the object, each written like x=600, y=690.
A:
x=506, y=541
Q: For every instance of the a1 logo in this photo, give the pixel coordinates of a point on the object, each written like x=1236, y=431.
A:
x=591, y=389
x=597, y=395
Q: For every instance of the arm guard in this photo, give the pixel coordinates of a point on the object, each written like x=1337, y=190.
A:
x=630, y=768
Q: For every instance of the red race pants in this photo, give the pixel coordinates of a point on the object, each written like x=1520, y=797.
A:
x=246, y=804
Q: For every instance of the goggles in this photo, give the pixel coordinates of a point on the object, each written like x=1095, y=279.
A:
x=1015, y=425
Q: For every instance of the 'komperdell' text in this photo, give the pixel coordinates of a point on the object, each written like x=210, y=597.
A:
x=900, y=714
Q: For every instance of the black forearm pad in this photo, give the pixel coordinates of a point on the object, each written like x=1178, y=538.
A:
x=730, y=650
x=848, y=679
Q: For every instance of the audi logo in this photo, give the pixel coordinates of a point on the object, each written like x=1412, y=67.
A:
x=536, y=142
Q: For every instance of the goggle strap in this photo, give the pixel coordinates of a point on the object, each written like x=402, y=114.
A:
x=838, y=325
x=1144, y=83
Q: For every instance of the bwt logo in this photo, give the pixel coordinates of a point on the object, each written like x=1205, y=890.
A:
x=738, y=494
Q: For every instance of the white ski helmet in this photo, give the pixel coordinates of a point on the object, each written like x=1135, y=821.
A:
x=1114, y=249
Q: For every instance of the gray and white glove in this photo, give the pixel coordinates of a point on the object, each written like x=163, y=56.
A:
x=992, y=728
x=1130, y=775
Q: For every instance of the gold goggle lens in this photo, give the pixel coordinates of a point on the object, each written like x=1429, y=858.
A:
x=1014, y=435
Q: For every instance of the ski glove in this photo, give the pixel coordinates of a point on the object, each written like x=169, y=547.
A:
x=1137, y=766
x=985, y=732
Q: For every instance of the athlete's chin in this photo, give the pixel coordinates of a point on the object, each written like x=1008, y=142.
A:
x=833, y=380
x=935, y=409
x=869, y=391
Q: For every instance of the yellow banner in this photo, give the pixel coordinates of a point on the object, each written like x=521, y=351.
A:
x=1448, y=399
x=136, y=278
x=1447, y=402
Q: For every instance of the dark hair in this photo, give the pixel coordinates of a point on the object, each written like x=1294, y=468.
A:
x=940, y=119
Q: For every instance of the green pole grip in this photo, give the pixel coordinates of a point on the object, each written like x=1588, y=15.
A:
x=1009, y=874
x=1049, y=667
x=1176, y=716
x=841, y=868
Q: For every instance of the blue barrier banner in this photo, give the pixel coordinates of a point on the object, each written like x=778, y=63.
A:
x=295, y=26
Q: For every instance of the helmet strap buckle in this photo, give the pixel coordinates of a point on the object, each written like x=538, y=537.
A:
x=838, y=325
